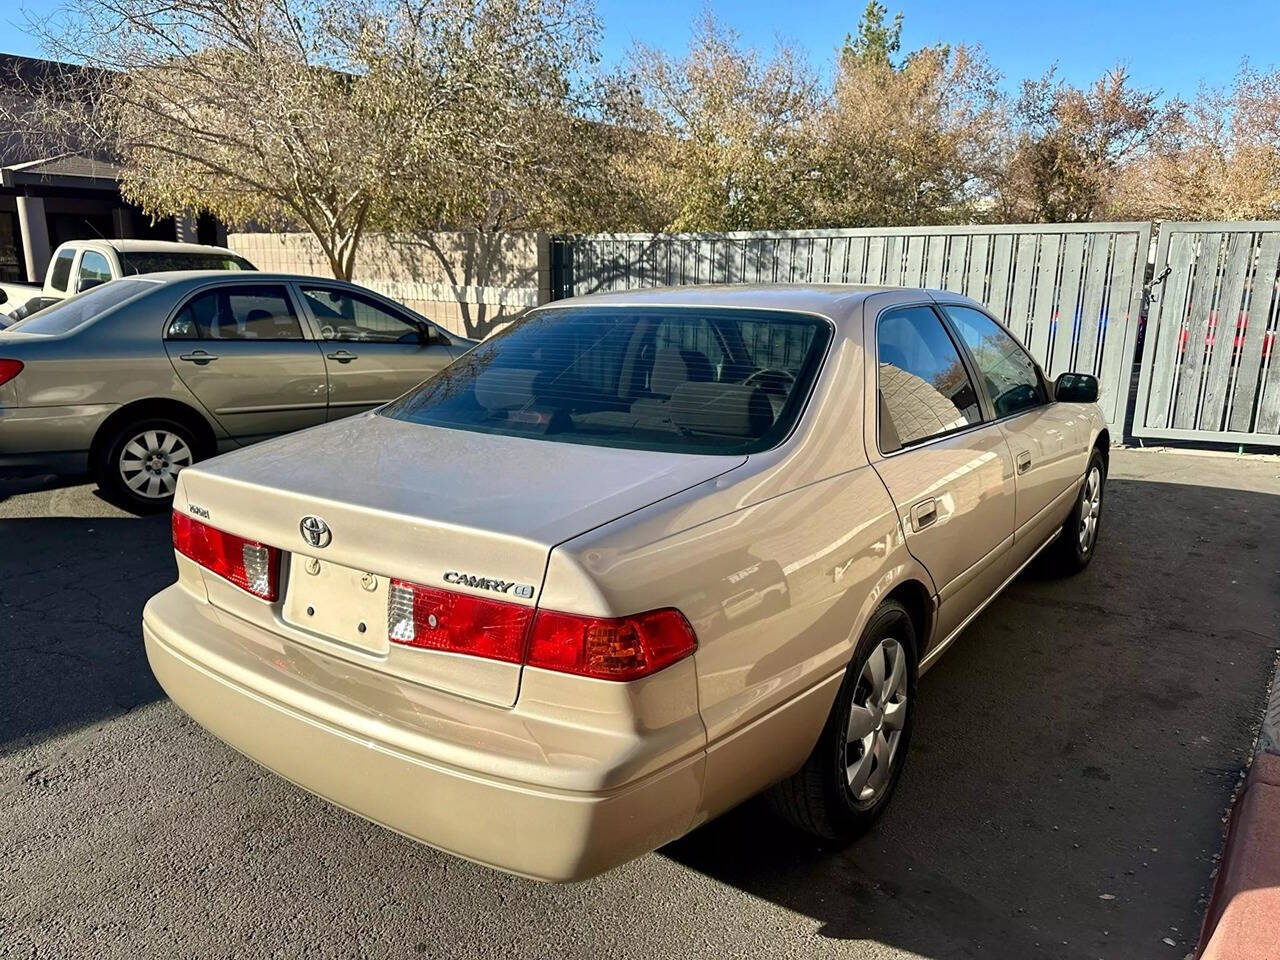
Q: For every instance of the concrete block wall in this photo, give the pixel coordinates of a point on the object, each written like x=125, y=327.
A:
x=468, y=283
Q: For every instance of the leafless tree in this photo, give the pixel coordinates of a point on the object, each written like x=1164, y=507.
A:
x=335, y=116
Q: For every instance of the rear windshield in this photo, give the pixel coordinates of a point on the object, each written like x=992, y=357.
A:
x=654, y=378
x=169, y=262
x=65, y=316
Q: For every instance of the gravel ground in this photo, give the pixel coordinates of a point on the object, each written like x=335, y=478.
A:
x=1072, y=761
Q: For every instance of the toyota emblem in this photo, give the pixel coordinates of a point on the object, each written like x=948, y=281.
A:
x=315, y=531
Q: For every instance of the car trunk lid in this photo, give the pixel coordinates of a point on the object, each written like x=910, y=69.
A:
x=466, y=512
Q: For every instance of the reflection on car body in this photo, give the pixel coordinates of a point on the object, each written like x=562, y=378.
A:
x=137, y=378
x=747, y=519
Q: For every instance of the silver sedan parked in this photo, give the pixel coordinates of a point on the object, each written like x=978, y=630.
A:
x=138, y=378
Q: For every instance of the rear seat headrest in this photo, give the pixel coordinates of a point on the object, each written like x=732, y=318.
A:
x=721, y=409
x=673, y=367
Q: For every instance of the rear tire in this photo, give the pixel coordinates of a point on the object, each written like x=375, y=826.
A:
x=1078, y=541
x=140, y=461
x=847, y=782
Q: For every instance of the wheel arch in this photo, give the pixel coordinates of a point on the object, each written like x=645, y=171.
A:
x=203, y=432
x=918, y=601
x=1102, y=443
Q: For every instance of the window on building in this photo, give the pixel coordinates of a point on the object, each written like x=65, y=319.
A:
x=12, y=264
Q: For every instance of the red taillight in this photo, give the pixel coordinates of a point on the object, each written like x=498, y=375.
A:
x=433, y=619
x=625, y=648
x=250, y=565
x=8, y=370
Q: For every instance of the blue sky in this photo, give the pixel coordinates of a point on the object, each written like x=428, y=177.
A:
x=1172, y=45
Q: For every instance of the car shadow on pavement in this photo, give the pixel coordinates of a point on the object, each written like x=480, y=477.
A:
x=71, y=596
x=1072, y=758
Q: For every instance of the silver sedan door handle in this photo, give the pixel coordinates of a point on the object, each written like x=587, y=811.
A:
x=198, y=356
x=342, y=356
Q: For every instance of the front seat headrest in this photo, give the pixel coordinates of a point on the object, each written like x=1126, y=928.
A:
x=722, y=410
x=673, y=367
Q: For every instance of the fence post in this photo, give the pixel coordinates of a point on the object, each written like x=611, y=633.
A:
x=546, y=268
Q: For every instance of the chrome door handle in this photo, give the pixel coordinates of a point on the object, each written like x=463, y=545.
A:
x=342, y=356
x=924, y=514
x=198, y=356
x=1024, y=462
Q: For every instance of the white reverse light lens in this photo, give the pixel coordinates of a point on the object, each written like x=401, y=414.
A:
x=400, y=613
x=257, y=568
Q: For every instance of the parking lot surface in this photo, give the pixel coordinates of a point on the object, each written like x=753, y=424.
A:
x=1073, y=757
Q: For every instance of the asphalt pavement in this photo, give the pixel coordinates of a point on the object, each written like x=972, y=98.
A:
x=1073, y=758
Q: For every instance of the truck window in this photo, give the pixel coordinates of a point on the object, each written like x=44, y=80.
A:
x=94, y=271
x=144, y=262
x=60, y=272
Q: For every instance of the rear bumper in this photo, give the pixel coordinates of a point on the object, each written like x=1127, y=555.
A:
x=400, y=781
x=49, y=439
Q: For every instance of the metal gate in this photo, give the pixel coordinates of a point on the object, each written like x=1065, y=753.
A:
x=1209, y=370
x=1072, y=292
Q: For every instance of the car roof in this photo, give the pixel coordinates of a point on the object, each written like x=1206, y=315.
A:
x=834, y=301
x=150, y=246
x=174, y=277
x=179, y=282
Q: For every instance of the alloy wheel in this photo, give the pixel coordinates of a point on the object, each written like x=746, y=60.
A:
x=876, y=719
x=150, y=463
x=1090, y=509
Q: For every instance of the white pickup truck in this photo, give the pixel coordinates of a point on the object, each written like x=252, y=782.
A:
x=78, y=265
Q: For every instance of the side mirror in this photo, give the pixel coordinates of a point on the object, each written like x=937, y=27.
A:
x=1076, y=388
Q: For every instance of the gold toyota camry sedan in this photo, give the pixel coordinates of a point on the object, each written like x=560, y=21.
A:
x=628, y=563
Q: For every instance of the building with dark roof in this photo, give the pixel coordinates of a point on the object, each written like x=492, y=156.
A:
x=47, y=200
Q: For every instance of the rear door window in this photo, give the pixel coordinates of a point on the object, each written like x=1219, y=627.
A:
x=923, y=386
x=655, y=378
x=241, y=312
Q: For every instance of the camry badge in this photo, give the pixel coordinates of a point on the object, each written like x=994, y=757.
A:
x=315, y=531
x=489, y=583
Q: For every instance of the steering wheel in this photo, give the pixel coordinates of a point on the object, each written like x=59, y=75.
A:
x=781, y=380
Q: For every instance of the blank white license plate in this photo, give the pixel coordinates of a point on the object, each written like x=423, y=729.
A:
x=338, y=603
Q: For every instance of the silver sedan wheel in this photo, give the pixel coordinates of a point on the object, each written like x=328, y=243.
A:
x=1090, y=510
x=150, y=463
x=876, y=719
